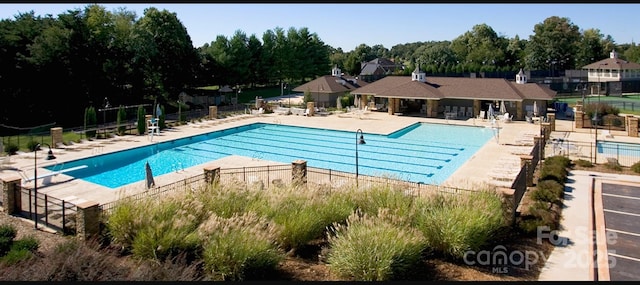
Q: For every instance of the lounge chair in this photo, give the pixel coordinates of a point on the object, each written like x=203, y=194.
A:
x=469, y=112
x=461, y=112
x=607, y=134
x=482, y=115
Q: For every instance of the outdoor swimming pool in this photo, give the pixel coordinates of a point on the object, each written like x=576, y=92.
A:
x=423, y=152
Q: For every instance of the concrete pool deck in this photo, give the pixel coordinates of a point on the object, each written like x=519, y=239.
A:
x=472, y=173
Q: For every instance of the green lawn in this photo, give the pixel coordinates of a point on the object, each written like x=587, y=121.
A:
x=23, y=141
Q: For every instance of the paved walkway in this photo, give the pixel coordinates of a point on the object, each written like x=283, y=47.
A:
x=583, y=222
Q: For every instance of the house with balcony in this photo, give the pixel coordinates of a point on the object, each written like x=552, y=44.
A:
x=613, y=76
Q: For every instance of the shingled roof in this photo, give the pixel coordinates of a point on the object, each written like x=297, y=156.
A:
x=455, y=88
x=331, y=84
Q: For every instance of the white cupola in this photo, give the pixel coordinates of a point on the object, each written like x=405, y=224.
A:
x=336, y=72
x=613, y=54
x=521, y=78
x=418, y=75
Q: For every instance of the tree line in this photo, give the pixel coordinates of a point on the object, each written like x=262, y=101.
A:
x=53, y=68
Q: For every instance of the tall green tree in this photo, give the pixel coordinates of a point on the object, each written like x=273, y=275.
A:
x=165, y=56
x=121, y=119
x=553, y=45
x=142, y=124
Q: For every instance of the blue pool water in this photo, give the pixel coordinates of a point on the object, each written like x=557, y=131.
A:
x=422, y=152
x=616, y=149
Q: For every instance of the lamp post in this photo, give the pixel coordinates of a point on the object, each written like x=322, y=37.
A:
x=50, y=156
x=358, y=141
x=595, y=115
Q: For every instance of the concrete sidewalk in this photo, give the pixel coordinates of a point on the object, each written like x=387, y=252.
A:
x=573, y=257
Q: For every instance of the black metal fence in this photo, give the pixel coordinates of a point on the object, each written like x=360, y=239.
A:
x=626, y=154
x=51, y=212
x=264, y=177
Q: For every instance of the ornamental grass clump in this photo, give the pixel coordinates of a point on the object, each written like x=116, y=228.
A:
x=382, y=196
x=303, y=214
x=455, y=223
x=239, y=248
x=374, y=247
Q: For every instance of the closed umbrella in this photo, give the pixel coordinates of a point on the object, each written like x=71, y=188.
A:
x=149, y=176
x=158, y=111
x=535, y=109
x=503, y=109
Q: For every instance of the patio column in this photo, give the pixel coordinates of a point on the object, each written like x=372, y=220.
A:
x=519, y=111
x=391, y=106
x=476, y=108
x=432, y=108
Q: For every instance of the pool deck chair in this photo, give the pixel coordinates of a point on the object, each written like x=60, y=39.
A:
x=47, y=176
x=607, y=134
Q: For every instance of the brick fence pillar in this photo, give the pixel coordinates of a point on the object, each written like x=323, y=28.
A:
x=542, y=143
x=632, y=126
x=577, y=117
x=11, y=197
x=299, y=172
x=525, y=161
x=552, y=121
x=212, y=175
x=545, y=129
x=88, y=220
x=213, y=112
x=56, y=136
x=311, y=108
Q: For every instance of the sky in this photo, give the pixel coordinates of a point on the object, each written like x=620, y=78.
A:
x=348, y=25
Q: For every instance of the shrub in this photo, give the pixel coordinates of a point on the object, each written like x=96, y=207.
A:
x=307, y=97
x=142, y=124
x=31, y=145
x=553, y=172
x=239, y=248
x=558, y=160
x=16, y=255
x=161, y=119
x=373, y=248
x=120, y=119
x=453, y=224
x=303, y=214
x=29, y=243
x=90, y=121
x=636, y=167
x=585, y=163
x=613, y=165
x=11, y=149
x=548, y=191
x=8, y=231
x=7, y=234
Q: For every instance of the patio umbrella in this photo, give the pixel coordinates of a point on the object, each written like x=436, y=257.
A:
x=149, y=176
x=158, y=111
x=503, y=109
x=535, y=109
x=490, y=112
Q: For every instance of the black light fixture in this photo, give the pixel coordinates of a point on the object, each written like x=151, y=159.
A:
x=358, y=141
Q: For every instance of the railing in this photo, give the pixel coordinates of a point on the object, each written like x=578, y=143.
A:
x=265, y=177
x=625, y=153
x=51, y=212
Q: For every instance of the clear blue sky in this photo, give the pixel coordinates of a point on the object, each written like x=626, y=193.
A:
x=348, y=25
